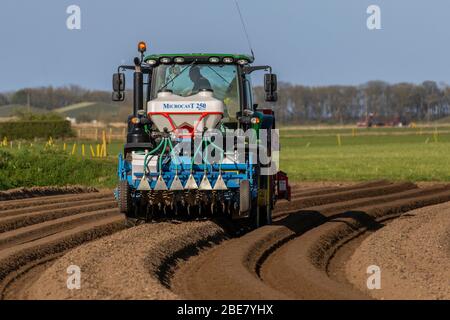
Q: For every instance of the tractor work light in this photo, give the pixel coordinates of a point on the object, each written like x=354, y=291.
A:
x=152, y=62
x=165, y=60
x=178, y=60
x=228, y=60
x=214, y=60
x=135, y=120
x=255, y=120
x=242, y=62
x=142, y=47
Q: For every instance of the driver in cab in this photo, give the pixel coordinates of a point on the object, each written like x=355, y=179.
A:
x=200, y=82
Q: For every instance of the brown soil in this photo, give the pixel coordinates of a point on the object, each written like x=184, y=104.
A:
x=32, y=230
x=285, y=260
x=126, y=265
x=297, y=257
x=413, y=253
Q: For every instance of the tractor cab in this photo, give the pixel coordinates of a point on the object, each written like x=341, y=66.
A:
x=195, y=82
x=209, y=87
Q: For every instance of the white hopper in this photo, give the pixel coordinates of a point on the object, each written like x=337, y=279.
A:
x=193, y=113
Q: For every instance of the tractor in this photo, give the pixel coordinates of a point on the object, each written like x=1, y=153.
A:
x=188, y=151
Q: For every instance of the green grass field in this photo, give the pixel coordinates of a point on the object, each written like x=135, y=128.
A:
x=308, y=156
x=325, y=131
x=39, y=167
x=394, y=157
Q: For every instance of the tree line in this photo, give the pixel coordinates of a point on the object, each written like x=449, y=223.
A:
x=402, y=102
x=297, y=104
x=50, y=98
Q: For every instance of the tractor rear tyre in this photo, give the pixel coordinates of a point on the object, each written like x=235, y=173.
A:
x=245, y=199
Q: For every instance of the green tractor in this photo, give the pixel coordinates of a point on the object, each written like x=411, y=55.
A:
x=184, y=106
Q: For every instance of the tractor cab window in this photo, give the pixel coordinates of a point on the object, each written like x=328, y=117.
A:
x=248, y=92
x=186, y=80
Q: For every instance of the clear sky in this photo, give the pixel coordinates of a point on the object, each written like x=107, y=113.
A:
x=310, y=42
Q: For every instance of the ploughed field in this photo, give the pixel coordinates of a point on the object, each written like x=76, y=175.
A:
x=317, y=247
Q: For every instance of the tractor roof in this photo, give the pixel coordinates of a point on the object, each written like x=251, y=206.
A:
x=200, y=56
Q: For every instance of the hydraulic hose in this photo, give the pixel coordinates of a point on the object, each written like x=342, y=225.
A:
x=150, y=153
x=162, y=155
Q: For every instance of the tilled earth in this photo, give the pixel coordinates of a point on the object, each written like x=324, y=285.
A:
x=304, y=254
x=413, y=254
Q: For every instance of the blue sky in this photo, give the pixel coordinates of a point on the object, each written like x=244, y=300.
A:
x=310, y=42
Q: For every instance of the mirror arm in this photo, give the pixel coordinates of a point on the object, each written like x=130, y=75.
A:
x=144, y=68
x=124, y=67
x=250, y=69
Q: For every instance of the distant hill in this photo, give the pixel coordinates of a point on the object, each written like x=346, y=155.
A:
x=74, y=107
x=9, y=110
x=101, y=111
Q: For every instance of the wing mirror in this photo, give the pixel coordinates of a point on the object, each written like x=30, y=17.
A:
x=118, y=83
x=270, y=87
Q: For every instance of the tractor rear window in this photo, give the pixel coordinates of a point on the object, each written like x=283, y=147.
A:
x=186, y=80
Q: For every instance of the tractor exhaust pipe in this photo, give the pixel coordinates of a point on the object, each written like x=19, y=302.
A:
x=136, y=133
x=138, y=100
x=138, y=88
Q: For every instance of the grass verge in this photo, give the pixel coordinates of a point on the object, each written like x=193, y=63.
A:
x=47, y=167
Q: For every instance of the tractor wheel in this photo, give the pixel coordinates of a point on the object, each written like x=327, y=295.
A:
x=245, y=201
x=125, y=204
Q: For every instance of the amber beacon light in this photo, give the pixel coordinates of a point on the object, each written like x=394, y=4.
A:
x=142, y=47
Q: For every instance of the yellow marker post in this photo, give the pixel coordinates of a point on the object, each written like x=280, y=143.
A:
x=339, y=142
x=98, y=150
x=353, y=132
x=65, y=146
x=74, y=148
x=92, y=151
x=82, y=150
x=104, y=143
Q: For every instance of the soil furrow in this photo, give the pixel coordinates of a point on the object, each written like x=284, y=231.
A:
x=314, y=249
x=336, y=197
x=196, y=260
x=37, y=201
x=44, y=229
x=59, y=205
x=327, y=190
x=23, y=220
x=233, y=266
x=14, y=258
